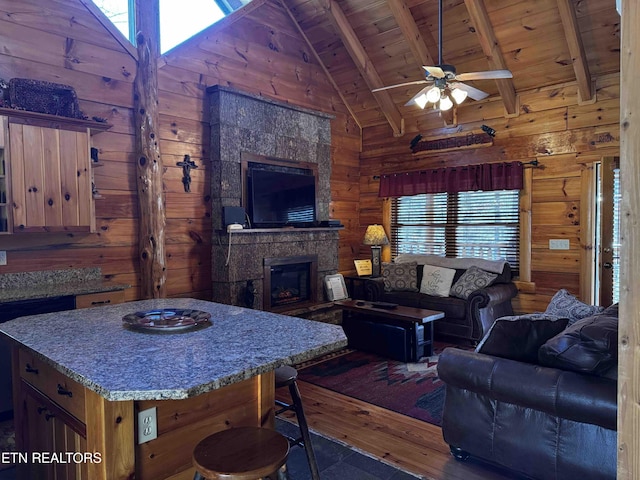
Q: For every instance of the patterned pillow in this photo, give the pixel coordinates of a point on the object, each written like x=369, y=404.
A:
x=471, y=280
x=436, y=281
x=564, y=304
x=400, y=277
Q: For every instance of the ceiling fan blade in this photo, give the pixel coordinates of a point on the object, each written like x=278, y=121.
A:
x=489, y=75
x=412, y=101
x=435, y=72
x=417, y=82
x=472, y=92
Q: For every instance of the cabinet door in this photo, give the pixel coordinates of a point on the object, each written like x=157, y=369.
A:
x=49, y=435
x=50, y=179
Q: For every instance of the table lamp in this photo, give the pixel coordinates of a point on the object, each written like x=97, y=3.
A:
x=375, y=237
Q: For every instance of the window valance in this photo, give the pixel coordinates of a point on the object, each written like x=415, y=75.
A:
x=486, y=176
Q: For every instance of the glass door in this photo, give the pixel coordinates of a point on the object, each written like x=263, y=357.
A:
x=607, y=258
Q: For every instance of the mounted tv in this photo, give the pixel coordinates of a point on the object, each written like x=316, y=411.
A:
x=279, y=198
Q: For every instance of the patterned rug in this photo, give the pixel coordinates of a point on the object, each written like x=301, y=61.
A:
x=412, y=389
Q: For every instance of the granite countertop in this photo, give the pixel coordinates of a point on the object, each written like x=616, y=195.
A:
x=54, y=283
x=93, y=347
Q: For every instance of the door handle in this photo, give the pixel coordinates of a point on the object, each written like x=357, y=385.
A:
x=607, y=265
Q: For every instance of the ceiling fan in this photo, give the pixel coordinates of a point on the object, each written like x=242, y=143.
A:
x=444, y=84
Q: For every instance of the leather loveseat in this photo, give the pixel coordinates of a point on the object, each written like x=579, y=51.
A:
x=543, y=408
x=468, y=318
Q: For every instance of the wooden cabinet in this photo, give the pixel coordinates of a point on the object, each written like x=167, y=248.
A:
x=99, y=299
x=52, y=428
x=47, y=176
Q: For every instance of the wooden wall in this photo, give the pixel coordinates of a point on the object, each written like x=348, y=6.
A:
x=553, y=128
x=257, y=50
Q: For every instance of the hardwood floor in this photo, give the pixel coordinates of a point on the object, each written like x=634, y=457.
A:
x=413, y=445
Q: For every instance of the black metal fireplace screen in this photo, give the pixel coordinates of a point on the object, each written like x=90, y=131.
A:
x=289, y=281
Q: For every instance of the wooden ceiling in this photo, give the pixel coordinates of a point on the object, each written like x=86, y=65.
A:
x=366, y=44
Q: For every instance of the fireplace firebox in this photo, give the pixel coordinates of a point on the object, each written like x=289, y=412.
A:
x=289, y=281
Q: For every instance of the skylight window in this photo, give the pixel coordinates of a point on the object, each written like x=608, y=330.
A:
x=179, y=20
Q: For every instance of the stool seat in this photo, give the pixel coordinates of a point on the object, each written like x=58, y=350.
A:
x=241, y=453
x=285, y=376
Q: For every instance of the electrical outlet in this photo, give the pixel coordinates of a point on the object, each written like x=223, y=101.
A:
x=147, y=425
x=561, y=244
x=3, y=258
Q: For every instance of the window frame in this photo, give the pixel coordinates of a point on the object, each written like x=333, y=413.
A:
x=451, y=227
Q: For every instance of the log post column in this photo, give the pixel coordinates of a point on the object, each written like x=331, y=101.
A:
x=151, y=207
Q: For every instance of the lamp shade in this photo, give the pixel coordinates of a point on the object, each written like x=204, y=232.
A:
x=375, y=236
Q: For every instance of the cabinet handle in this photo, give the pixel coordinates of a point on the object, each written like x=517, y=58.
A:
x=49, y=416
x=64, y=391
x=41, y=409
x=29, y=369
x=101, y=302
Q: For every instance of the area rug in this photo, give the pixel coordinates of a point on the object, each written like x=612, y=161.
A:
x=412, y=389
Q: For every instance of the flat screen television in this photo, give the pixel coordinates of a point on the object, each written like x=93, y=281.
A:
x=278, y=199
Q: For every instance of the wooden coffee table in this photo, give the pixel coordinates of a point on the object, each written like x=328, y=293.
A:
x=403, y=333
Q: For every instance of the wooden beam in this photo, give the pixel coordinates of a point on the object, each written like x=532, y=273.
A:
x=489, y=42
x=411, y=32
x=151, y=203
x=320, y=62
x=366, y=68
x=418, y=47
x=576, y=49
x=629, y=327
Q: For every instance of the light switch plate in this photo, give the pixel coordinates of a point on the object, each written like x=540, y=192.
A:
x=559, y=244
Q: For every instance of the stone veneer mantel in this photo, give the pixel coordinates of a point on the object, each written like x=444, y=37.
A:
x=242, y=122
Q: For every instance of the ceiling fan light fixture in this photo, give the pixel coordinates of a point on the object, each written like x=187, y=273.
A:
x=422, y=100
x=433, y=95
x=445, y=103
x=458, y=95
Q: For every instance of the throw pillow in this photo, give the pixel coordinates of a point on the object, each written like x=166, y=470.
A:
x=400, y=277
x=590, y=345
x=519, y=337
x=471, y=280
x=436, y=281
x=564, y=304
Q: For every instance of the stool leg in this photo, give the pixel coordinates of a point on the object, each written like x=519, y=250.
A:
x=304, y=430
x=282, y=473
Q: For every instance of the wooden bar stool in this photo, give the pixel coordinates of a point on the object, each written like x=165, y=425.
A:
x=241, y=453
x=286, y=376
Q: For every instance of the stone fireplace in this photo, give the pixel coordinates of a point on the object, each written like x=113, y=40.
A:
x=244, y=125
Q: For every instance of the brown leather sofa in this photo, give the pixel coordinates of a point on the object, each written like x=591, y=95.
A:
x=467, y=318
x=553, y=421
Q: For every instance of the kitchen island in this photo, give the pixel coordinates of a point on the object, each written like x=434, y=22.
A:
x=81, y=379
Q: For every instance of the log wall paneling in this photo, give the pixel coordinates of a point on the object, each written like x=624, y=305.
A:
x=238, y=51
x=564, y=147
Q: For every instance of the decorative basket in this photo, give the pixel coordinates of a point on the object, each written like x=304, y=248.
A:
x=44, y=97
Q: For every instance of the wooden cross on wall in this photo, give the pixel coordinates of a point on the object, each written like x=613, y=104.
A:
x=187, y=164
